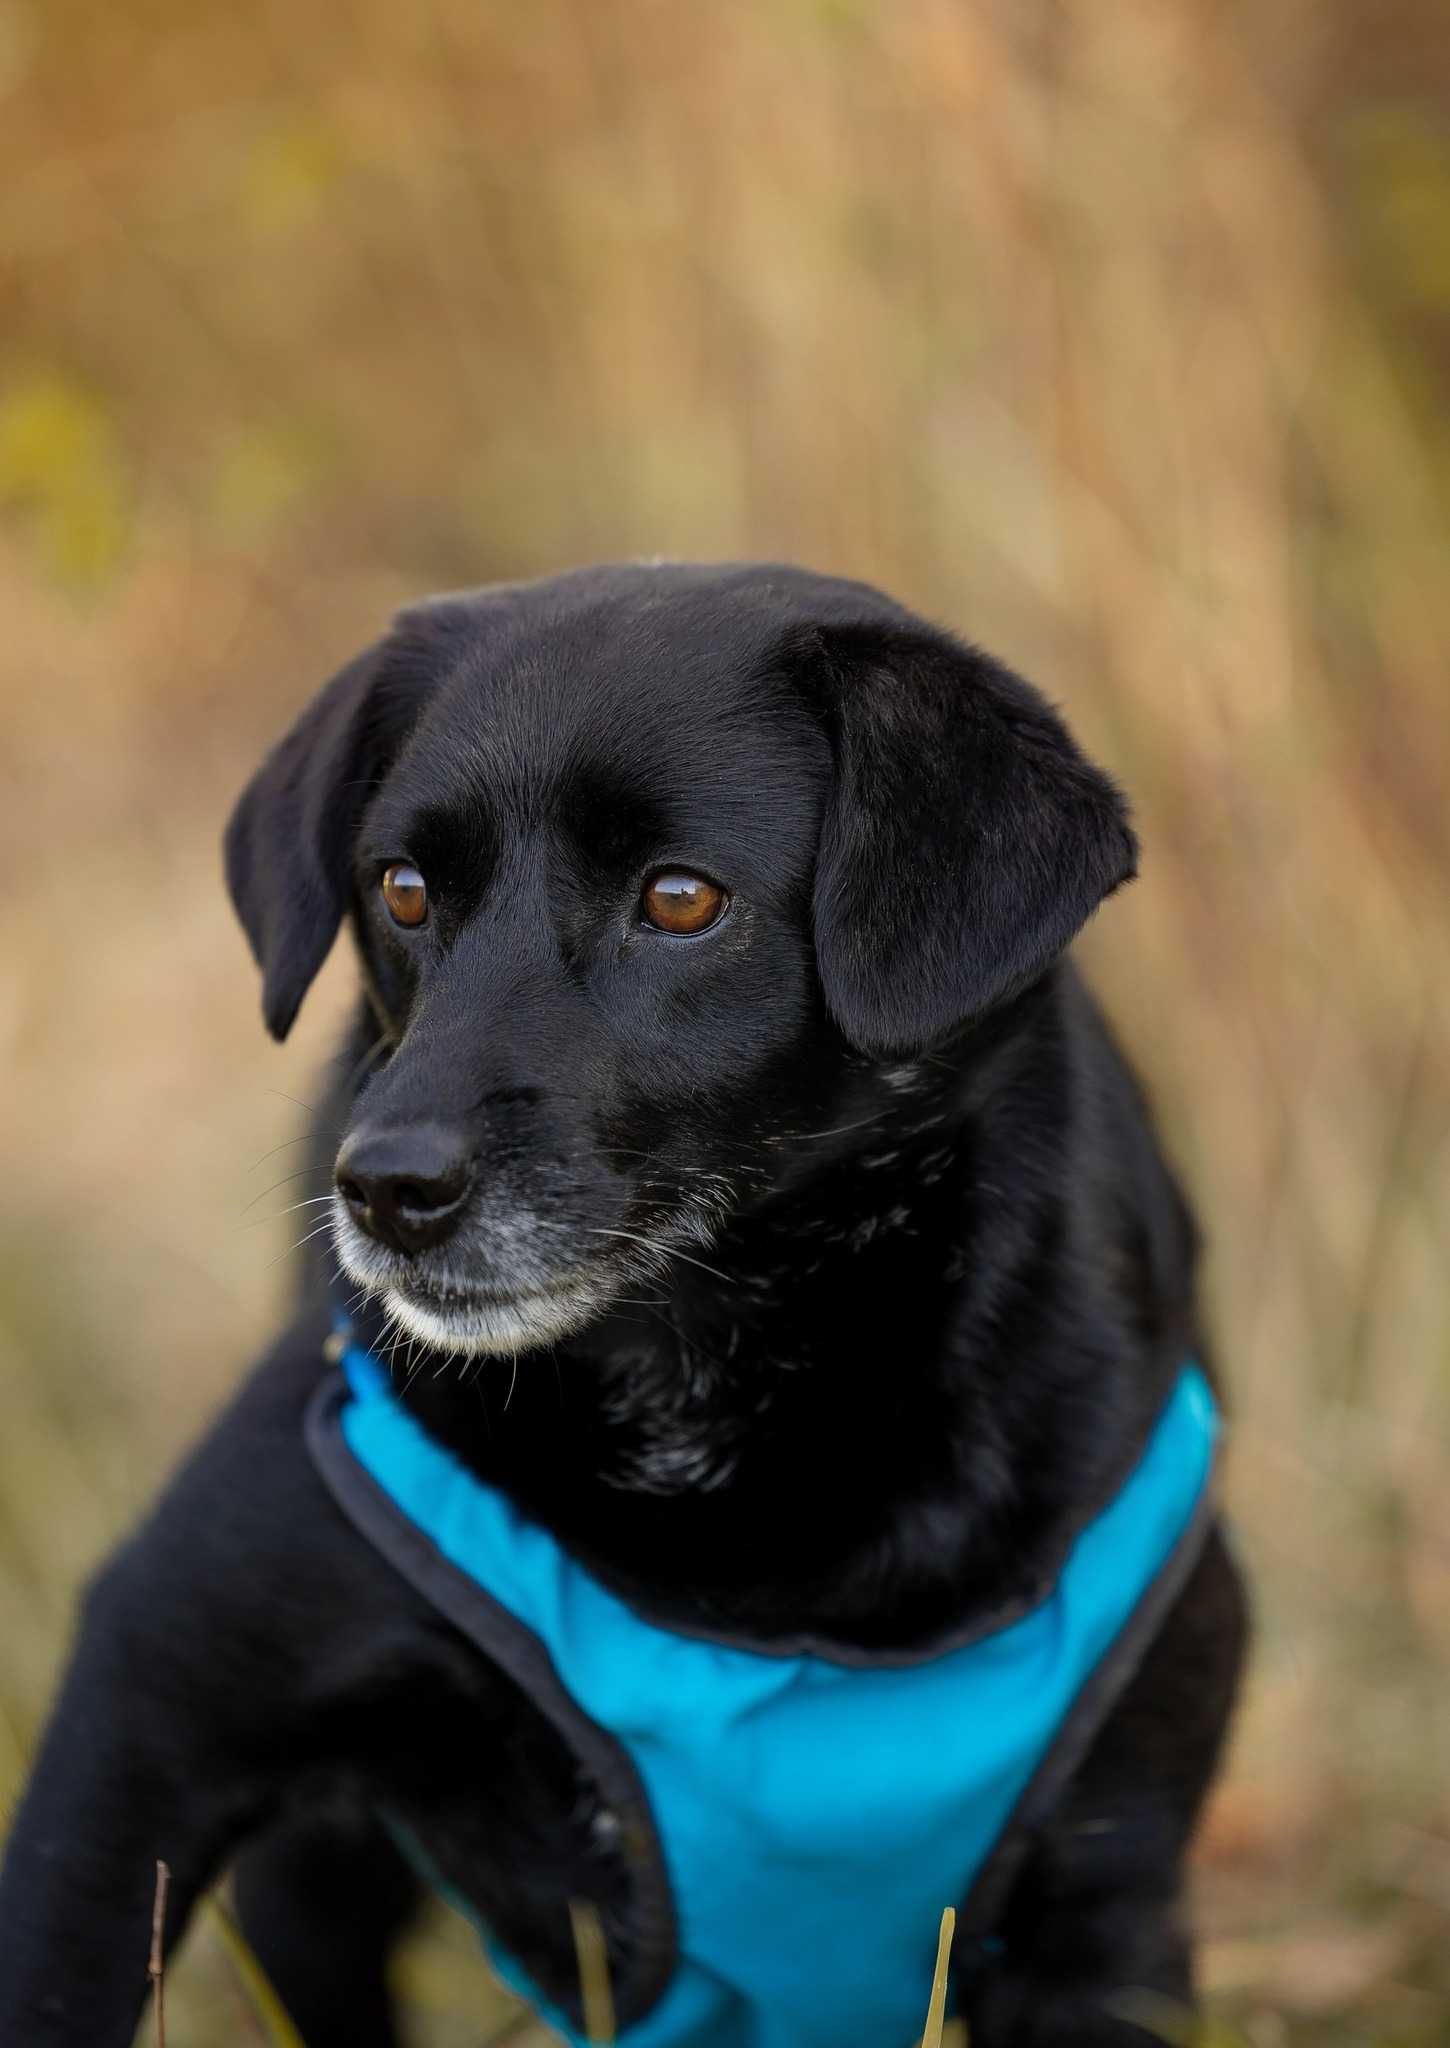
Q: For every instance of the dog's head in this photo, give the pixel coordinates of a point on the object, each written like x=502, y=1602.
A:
x=650, y=869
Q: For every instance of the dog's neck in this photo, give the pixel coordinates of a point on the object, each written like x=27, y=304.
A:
x=855, y=1423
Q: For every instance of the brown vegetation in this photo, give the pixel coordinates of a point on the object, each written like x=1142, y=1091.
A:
x=1115, y=336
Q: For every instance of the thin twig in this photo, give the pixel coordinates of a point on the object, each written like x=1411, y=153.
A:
x=156, y=1969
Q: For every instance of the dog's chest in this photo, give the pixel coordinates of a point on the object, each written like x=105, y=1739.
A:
x=519, y=1844
x=711, y=1798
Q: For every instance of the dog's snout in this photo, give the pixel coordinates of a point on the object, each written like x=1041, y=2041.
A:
x=405, y=1187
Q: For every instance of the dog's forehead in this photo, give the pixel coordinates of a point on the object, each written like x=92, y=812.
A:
x=681, y=704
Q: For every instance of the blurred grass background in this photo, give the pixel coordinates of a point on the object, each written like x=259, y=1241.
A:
x=1117, y=336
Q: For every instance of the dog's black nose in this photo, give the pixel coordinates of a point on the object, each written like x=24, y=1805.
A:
x=405, y=1187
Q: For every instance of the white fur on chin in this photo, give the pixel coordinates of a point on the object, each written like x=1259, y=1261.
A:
x=468, y=1325
x=481, y=1328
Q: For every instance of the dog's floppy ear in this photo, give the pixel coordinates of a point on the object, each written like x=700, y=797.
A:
x=289, y=842
x=965, y=841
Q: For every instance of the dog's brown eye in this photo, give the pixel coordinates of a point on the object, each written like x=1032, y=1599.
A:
x=405, y=893
x=677, y=901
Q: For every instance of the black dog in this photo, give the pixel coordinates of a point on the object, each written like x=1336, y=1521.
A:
x=764, y=1211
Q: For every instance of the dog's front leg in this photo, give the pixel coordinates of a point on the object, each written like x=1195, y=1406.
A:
x=1093, y=1951
x=126, y=1777
x=218, y=1660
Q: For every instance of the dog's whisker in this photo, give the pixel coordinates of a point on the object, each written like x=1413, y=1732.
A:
x=302, y=1138
x=668, y=1251
x=285, y=1181
x=837, y=1131
x=309, y=1202
x=413, y=1362
x=361, y=1066
x=312, y=1108
x=293, y=1249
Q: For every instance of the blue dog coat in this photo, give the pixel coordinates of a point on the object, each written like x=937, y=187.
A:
x=795, y=1824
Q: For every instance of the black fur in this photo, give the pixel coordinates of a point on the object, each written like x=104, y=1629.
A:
x=877, y=1279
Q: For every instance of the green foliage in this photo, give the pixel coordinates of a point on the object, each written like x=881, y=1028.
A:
x=60, y=466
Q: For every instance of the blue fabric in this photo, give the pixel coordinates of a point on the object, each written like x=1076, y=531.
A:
x=815, y=1817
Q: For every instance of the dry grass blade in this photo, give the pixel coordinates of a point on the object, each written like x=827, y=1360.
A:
x=263, y=1999
x=594, y=1987
x=936, y=2011
x=517, y=2027
x=1173, y=2024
